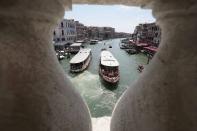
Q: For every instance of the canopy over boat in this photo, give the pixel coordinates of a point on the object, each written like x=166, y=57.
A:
x=79, y=41
x=76, y=44
x=107, y=59
x=81, y=56
x=94, y=40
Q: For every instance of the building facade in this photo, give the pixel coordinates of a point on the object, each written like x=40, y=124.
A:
x=65, y=33
x=122, y=35
x=101, y=33
x=149, y=33
x=109, y=33
x=81, y=31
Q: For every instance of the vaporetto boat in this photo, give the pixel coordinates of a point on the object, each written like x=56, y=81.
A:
x=81, y=60
x=109, y=67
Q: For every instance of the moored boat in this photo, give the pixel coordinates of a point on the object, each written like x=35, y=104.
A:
x=109, y=67
x=94, y=42
x=81, y=60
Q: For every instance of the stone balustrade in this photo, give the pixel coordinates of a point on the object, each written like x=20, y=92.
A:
x=35, y=94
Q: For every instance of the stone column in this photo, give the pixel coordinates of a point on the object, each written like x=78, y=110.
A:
x=164, y=97
x=35, y=94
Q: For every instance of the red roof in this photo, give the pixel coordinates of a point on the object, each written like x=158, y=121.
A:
x=142, y=44
x=151, y=48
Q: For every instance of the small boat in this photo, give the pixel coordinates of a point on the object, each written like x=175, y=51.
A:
x=131, y=51
x=110, y=46
x=81, y=60
x=92, y=42
x=61, y=57
x=109, y=67
x=103, y=49
x=140, y=68
x=125, y=40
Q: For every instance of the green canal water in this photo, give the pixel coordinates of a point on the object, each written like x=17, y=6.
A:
x=101, y=97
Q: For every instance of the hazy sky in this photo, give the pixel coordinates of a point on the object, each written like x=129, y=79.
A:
x=122, y=18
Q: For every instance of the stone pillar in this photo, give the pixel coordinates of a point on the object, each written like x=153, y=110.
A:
x=35, y=94
x=164, y=97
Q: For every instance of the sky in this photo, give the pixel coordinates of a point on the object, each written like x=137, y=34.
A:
x=122, y=18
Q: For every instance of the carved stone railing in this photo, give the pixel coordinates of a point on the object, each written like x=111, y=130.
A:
x=35, y=94
x=164, y=97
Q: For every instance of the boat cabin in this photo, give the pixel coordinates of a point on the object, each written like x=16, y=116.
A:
x=74, y=48
x=81, y=60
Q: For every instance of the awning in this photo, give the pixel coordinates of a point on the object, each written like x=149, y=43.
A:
x=151, y=48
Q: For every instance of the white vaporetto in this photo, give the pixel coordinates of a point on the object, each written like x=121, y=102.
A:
x=81, y=60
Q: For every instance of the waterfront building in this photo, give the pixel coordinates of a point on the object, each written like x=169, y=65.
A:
x=106, y=33
x=93, y=32
x=149, y=33
x=101, y=33
x=64, y=34
x=69, y=31
x=122, y=35
x=81, y=31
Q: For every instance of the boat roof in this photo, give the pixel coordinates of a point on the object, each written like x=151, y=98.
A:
x=94, y=40
x=80, y=41
x=76, y=44
x=107, y=59
x=80, y=56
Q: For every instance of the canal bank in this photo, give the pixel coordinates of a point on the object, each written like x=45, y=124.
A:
x=101, y=97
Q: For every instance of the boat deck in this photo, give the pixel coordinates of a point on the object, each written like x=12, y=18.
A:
x=81, y=56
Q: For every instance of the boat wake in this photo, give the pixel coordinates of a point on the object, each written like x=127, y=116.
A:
x=87, y=84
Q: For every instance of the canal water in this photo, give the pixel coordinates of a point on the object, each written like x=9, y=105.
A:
x=101, y=97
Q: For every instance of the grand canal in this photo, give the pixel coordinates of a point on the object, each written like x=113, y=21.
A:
x=101, y=97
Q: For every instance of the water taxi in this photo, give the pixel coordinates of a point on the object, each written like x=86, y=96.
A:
x=92, y=42
x=81, y=60
x=109, y=67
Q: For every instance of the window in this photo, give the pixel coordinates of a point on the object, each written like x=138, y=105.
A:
x=62, y=32
x=62, y=24
x=63, y=39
